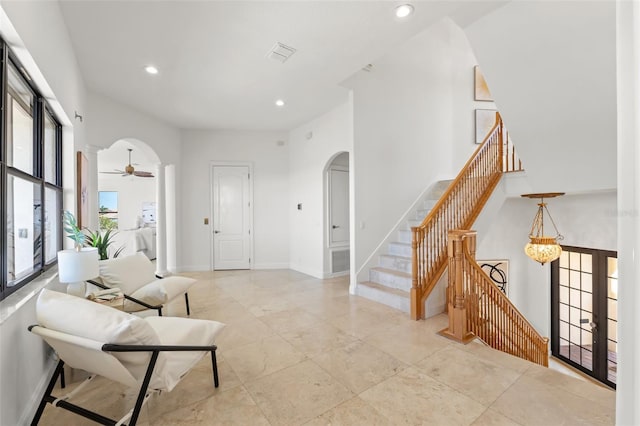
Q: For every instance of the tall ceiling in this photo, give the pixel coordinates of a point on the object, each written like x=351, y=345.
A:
x=212, y=55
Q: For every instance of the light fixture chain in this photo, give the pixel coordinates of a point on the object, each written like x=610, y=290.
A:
x=558, y=235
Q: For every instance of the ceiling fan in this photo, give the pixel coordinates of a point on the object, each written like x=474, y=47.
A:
x=129, y=170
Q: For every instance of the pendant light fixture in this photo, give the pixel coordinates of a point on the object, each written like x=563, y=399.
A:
x=543, y=248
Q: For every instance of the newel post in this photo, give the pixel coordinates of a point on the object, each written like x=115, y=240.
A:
x=457, y=329
x=415, y=289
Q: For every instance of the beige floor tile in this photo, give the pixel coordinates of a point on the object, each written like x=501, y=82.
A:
x=476, y=378
x=195, y=387
x=359, y=365
x=409, y=343
x=314, y=340
x=242, y=333
x=331, y=307
x=297, y=394
x=493, y=418
x=263, y=357
x=353, y=412
x=531, y=402
x=486, y=353
x=362, y=323
x=264, y=305
x=307, y=364
x=226, y=312
x=592, y=391
x=413, y=398
x=232, y=407
x=290, y=319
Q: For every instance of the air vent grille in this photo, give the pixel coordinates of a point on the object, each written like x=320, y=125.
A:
x=281, y=52
x=339, y=261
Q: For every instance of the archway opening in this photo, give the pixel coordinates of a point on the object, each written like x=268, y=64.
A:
x=127, y=196
x=337, y=216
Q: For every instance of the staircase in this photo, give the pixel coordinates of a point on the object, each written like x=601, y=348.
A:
x=413, y=264
x=390, y=281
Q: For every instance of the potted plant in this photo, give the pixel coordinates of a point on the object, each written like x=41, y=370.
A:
x=70, y=226
x=102, y=242
x=89, y=239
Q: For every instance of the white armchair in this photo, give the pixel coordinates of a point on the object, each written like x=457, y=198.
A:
x=135, y=276
x=153, y=353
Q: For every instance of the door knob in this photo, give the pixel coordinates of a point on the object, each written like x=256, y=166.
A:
x=335, y=226
x=593, y=325
x=216, y=232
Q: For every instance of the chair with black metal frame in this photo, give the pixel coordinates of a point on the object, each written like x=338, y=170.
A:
x=134, y=351
x=135, y=276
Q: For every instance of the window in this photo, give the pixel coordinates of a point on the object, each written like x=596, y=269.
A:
x=108, y=210
x=30, y=179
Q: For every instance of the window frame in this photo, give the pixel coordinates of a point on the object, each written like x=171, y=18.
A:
x=41, y=109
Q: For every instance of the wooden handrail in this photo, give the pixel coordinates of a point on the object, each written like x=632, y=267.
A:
x=493, y=318
x=458, y=208
x=478, y=308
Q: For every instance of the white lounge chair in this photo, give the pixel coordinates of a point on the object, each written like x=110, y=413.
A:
x=152, y=354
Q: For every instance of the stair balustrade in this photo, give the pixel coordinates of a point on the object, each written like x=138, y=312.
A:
x=458, y=208
x=478, y=308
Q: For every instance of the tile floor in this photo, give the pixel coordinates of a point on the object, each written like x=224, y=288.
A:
x=302, y=351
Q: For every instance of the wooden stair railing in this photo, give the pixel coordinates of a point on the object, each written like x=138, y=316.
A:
x=458, y=208
x=478, y=308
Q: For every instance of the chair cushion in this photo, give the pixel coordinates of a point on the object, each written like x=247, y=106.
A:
x=159, y=292
x=129, y=273
x=181, y=331
x=80, y=317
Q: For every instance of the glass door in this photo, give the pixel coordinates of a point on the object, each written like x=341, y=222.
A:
x=584, y=311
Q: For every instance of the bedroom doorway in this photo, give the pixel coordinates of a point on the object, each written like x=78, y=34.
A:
x=231, y=213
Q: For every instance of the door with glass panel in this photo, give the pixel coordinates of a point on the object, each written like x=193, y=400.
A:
x=584, y=313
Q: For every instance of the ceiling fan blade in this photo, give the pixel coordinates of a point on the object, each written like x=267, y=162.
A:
x=117, y=172
x=142, y=174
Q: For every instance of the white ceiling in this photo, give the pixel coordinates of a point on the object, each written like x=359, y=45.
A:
x=212, y=54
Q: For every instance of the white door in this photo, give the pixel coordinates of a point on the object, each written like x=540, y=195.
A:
x=231, y=217
x=339, y=207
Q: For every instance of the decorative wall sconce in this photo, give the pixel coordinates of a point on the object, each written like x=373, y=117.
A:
x=540, y=247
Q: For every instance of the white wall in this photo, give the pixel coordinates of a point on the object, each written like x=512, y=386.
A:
x=308, y=157
x=552, y=72
x=587, y=220
x=413, y=125
x=37, y=32
x=270, y=193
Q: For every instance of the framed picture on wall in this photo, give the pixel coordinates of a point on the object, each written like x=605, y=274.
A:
x=82, y=181
x=481, y=89
x=485, y=119
x=498, y=271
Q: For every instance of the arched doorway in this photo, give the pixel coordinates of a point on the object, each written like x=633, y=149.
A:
x=337, y=227
x=127, y=196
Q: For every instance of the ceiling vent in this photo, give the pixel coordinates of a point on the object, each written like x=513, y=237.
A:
x=280, y=52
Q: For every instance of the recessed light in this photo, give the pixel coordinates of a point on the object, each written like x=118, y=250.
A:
x=279, y=103
x=151, y=69
x=404, y=10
